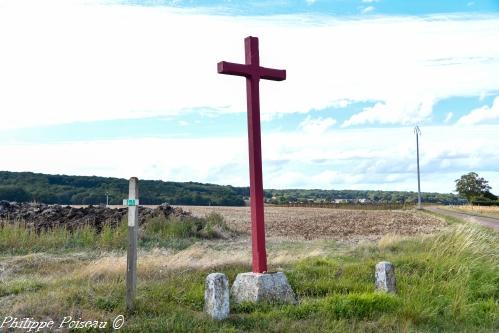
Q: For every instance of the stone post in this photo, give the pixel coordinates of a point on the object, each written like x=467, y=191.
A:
x=385, y=277
x=258, y=287
x=216, y=296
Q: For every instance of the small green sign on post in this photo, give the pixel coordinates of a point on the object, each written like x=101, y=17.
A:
x=130, y=202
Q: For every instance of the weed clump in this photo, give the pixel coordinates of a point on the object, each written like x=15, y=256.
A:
x=171, y=231
x=179, y=232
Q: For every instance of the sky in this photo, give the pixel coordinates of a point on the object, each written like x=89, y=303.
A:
x=130, y=88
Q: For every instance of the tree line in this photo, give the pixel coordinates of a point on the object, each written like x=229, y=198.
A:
x=358, y=196
x=86, y=190
x=62, y=189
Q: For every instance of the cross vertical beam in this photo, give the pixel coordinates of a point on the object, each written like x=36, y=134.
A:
x=255, y=160
x=253, y=73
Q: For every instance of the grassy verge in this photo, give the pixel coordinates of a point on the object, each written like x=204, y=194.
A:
x=451, y=220
x=487, y=211
x=446, y=283
x=16, y=238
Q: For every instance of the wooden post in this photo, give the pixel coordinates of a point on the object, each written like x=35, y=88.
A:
x=133, y=221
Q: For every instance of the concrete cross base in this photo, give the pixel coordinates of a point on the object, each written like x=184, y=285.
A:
x=257, y=287
x=385, y=277
x=216, y=296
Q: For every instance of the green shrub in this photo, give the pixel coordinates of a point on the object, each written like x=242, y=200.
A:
x=181, y=232
x=214, y=227
x=484, y=202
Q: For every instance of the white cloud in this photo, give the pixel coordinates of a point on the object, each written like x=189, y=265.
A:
x=405, y=111
x=367, y=9
x=310, y=2
x=341, y=103
x=448, y=117
x=381, y=158
x=316, y=126
x=482, y=96
x=482, y=115
x=186, y=159
x=369, y=1
x=65, y=62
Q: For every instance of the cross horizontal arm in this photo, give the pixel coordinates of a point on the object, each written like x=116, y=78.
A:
x=230, y=68
x=272, y=74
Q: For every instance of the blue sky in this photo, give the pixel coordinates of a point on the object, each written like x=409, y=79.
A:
x=84, y=82
x=330, y=7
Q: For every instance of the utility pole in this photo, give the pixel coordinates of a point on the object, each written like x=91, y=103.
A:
x=107, y=199
x=417, y=131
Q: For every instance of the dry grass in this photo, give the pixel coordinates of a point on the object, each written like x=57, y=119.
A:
x=34, y=272
x=322, y=223
x=491, y=211
x=312, y=245
x=446, y=283
x=203, y=256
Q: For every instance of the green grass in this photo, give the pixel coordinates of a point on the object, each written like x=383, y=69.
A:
x=19, y=286
x=446, y=283
x=16, y=238
x=180, y=233
x=449, y=219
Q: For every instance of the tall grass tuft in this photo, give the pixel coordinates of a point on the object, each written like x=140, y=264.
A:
x=181, y=232
x=468, y=242
x=17, y=238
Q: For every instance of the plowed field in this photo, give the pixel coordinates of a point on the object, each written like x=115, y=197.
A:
x=324, y=223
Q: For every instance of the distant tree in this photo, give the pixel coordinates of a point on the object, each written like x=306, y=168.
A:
x=14, y=193
x=472, y=186
x=490, y=196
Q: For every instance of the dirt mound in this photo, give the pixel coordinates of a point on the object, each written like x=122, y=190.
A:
x=42, y=216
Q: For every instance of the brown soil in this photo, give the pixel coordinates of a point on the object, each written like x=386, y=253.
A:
x=41, y=216
x=280, y=222
x=324, y=223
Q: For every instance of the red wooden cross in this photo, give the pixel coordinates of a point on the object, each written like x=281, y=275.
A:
x=253, y=73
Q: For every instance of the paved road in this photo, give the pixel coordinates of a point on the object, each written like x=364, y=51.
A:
x=486, y=221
